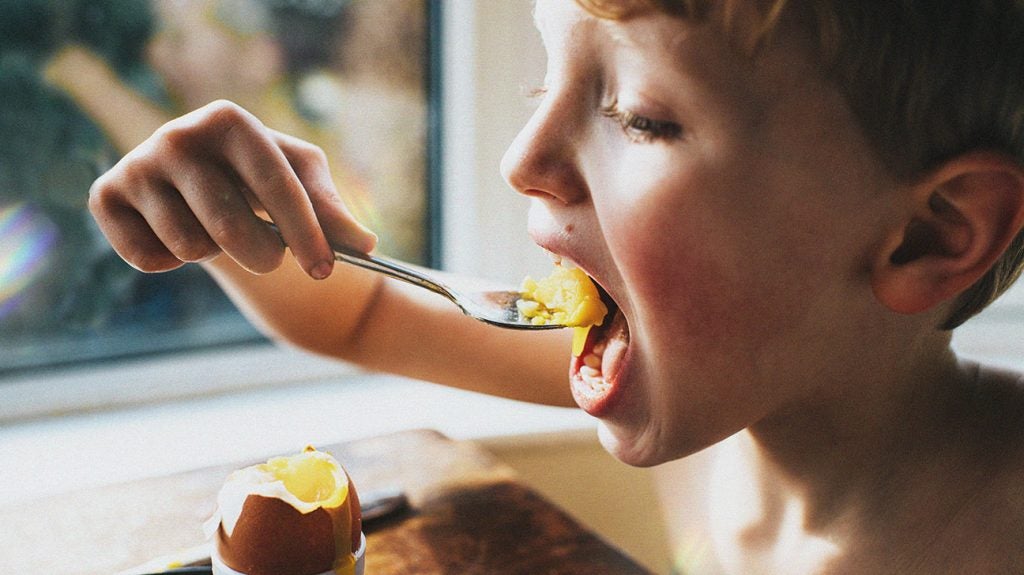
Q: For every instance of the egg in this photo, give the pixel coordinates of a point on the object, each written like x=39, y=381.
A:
x=567, y=297
x=293, y=515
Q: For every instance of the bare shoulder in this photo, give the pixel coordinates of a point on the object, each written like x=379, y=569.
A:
x=990, y=519
x=992, y=435
x=996, y=412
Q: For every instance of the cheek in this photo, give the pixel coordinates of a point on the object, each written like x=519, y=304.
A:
x=700, y=275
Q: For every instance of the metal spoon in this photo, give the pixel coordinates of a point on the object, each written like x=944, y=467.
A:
x=496, y=307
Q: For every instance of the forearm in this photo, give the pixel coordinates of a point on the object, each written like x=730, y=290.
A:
x=384, y=325
x=188, y=193
x=289, y=306
x=412, y=332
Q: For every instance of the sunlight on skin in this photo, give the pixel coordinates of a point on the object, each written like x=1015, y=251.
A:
x=694, y=554
x=755, y=527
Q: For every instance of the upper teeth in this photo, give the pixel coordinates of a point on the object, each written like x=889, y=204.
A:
x=555, y=258
x=560, y=260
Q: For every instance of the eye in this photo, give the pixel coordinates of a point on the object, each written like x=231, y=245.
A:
x=642, y=129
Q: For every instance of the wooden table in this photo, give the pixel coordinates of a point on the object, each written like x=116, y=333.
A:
x=468, y=514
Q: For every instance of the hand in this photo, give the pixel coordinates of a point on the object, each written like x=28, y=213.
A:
x=196, y=188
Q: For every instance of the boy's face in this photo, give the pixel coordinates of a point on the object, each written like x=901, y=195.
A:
x=726, y=202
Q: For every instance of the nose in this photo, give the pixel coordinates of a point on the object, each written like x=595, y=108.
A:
x=543, y=160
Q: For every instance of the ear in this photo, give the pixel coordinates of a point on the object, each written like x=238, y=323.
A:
x=960, y=219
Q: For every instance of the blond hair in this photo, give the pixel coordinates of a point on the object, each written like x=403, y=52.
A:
x=927, y=80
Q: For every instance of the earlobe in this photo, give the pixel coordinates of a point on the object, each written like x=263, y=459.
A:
x=961, y=218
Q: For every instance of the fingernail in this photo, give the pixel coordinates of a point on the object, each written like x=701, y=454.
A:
x=322, y=270
x=374, y=240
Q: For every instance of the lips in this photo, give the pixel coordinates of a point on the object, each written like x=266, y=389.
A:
x=594, y=373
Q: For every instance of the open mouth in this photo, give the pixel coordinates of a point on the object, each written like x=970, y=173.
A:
x=594, y=372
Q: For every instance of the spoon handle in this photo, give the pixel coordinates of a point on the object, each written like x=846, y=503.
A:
x=382, y=265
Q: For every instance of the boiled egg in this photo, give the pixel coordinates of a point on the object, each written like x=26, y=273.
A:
x=293, y=515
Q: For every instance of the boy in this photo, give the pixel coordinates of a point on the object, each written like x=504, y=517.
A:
x=789, y=205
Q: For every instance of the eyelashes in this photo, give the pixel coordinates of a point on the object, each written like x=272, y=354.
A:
x=639, y=128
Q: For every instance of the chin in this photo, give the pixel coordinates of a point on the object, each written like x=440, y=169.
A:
x=649, y=446
x=631, y=448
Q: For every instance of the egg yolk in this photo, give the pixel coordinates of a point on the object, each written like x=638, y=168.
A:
x=566, y=297
x=311, y=476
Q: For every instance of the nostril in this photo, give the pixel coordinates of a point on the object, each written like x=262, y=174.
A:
x=542, y=161
x=548, y=180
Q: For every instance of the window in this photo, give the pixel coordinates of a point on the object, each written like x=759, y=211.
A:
x=996, y=335
x=84, y=81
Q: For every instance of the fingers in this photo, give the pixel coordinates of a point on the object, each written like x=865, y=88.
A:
x=338, y=223
x=132, y=234
x=187, y=194
x=209, y=203
x=249, y=148
x=133, y=239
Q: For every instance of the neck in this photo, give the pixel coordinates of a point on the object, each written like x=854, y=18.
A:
x=844, y=450
x=874, y=471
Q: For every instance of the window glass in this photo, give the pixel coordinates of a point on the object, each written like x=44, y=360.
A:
x=84, y=81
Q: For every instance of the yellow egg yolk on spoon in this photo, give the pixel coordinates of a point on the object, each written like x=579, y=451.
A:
x=566, y=297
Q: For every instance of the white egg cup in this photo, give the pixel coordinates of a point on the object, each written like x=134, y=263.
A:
x=219, y=568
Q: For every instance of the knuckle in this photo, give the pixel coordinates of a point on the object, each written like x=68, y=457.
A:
x=275, y=180
x=110, y=191
x=224, y=109
x=130, y=175
x=312, y=153
x=308, y=157
x=223, y=117
x=211, y=122
x=191, y=248
x=176, y=137
x=149, y=262
x=100, y=193
x=224, y=229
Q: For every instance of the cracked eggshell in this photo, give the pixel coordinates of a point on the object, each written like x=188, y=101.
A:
x=262, y=529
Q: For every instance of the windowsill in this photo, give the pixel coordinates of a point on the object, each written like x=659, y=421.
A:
x=60, y=452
